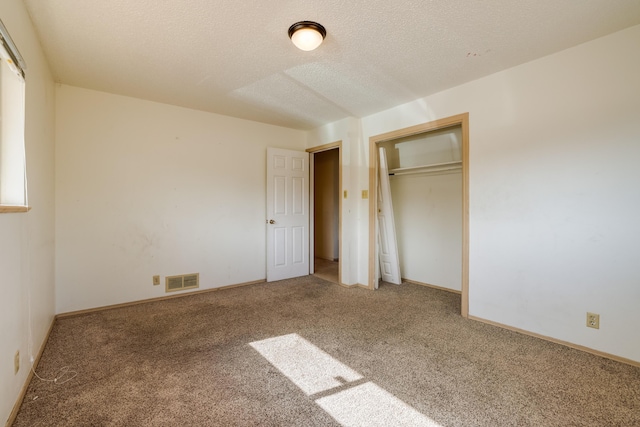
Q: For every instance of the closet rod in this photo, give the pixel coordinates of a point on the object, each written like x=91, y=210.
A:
x=427, y=171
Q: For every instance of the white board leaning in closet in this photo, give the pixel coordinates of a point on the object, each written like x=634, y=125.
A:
x=388, y=247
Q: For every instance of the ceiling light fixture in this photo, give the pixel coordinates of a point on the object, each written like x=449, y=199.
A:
x=307, y=35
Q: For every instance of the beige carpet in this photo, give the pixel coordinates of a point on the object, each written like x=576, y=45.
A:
x=305, y=352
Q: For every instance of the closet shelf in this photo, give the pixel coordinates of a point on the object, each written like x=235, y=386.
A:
x=436, y=167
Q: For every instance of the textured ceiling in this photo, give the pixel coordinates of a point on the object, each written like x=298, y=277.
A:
x=235, y=58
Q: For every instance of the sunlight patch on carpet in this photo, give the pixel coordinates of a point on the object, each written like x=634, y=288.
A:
x=344, y=396
x=369, y=405
x=304, y=364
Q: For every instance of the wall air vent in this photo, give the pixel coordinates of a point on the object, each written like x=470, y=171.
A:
x=185, y=281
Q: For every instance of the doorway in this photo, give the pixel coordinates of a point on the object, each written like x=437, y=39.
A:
x=462, y=121
x=326, y=212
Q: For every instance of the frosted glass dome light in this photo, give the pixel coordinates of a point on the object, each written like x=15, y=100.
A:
x=307, y=35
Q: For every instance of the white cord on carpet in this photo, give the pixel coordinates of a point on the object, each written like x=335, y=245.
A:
x=60, y=375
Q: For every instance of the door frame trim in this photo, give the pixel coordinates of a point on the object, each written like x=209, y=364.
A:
x=312, y=151
x=463, y=121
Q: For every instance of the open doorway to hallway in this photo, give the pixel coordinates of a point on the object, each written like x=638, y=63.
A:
x=326, y=214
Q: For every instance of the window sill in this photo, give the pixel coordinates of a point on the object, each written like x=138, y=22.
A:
x=14, y=209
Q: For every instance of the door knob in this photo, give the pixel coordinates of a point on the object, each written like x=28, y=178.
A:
x=271, y=221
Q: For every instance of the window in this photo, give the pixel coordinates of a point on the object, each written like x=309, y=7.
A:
x=13, y=177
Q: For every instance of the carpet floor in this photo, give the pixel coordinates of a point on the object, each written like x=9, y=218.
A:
x=305, y=352
x=325, y=269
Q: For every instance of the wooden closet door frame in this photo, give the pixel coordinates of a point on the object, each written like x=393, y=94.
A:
x=461, y=120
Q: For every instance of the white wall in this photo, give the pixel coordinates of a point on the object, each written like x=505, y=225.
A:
x=144, y=188
x=428, y=216
x=27, y=239
x=554, y=146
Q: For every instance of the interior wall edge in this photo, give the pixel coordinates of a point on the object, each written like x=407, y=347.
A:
x=34, y=367
x=558, y=341
x=162, y=298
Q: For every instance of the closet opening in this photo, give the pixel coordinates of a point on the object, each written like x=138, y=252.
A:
x=428, y=180
x=326, y=207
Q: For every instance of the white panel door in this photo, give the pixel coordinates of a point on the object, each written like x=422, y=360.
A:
x=287, y=214
x=388, y=247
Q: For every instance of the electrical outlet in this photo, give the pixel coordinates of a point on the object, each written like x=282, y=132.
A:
x=156, y=280
x=16, y=362
x=593, y=320
x=365, y=194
